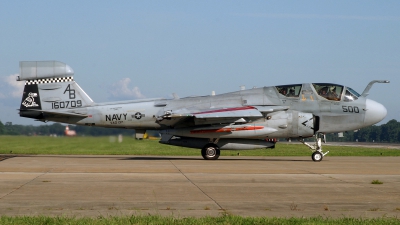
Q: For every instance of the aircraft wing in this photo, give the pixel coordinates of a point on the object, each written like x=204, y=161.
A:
x=186, y=117
x=236, y=112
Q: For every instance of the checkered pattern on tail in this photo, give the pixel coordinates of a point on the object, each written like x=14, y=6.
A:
x=49, y=80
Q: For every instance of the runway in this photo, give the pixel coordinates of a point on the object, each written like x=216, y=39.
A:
x=190, y=186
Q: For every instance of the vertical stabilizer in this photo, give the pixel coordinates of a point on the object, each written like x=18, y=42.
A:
x=50, y=89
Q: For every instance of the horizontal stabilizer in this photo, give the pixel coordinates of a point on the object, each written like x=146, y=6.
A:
x=57, y=113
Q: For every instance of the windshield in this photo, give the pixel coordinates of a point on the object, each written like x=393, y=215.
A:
x=289, y=90
x=350, y=95
x=331, y=92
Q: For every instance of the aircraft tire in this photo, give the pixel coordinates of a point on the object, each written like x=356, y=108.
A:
x=210, y=152
x=317, y=156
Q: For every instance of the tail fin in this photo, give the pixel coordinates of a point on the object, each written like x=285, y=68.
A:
x=51, y=90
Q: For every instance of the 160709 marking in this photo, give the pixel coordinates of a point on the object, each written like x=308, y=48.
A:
x=66, y=104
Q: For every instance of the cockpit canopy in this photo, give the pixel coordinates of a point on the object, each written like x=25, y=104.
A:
x=289, y=90
x=329, y=91
x=350, y=95
x=332, y=92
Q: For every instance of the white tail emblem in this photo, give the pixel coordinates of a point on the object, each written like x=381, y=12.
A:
x=30, y=101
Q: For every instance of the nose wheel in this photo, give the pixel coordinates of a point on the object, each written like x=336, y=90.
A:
x=317, y=156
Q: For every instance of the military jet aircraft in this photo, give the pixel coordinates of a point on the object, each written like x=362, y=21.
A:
x=245, y=119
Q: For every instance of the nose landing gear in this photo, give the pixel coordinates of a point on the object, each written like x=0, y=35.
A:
x=317, y=154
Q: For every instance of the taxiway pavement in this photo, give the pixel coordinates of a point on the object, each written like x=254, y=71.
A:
x=190, y=186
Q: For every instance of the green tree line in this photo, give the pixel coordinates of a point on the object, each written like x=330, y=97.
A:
x=58, y=129
x=389, y=132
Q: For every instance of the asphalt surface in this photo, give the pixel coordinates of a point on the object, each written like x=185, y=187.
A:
x=190, y=186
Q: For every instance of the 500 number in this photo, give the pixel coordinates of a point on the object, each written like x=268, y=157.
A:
x=350, y=109
x=66, y=104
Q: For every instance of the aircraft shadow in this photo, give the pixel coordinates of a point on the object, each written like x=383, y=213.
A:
x=150, y=158
x=155, y=158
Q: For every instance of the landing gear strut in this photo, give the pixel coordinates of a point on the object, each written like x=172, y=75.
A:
x=317, y=154
x=210, y=151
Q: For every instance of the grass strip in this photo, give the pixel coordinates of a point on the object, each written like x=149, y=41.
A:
x=131, y=146
x=204, y=220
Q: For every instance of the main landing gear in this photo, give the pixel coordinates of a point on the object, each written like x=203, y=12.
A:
x=210, y=151
x=317, y=154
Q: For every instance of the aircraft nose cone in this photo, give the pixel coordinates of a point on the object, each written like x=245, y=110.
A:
x=375, y=112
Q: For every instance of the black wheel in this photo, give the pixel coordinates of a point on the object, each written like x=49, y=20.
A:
x=210, y=151
x=317, y=156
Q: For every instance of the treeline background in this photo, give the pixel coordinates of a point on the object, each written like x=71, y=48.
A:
x=389, y=132
x=58, y=129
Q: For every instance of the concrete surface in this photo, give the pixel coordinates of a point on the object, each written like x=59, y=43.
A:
x=190, y=186
x=353, y=144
